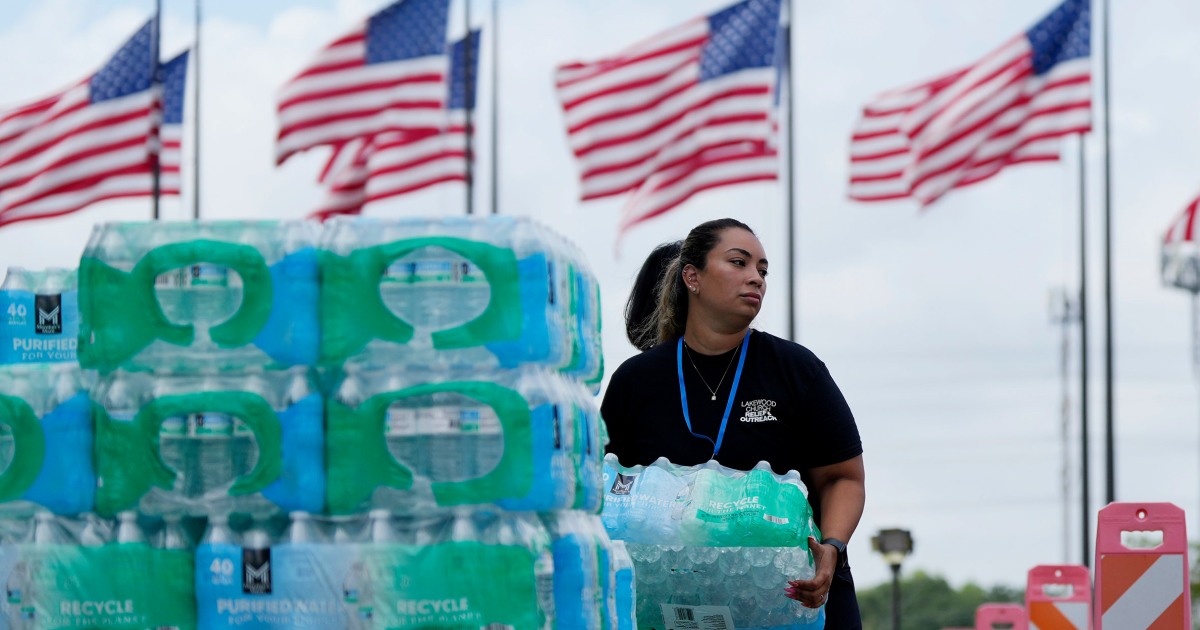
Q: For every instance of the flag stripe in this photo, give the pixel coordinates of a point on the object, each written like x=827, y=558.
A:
x=376, y=78
x=400, y=161
x=736, y=169
x=685, y=111
x=964, y=126
x=91, y=142
x=692, y=33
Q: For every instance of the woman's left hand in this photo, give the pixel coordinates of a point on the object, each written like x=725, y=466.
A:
x=813, y=593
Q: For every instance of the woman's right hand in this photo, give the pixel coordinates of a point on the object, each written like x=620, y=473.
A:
x=813, y=593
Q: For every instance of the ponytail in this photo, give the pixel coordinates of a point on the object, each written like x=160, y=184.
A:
x=642, y=308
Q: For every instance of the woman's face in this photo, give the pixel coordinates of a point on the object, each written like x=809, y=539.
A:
x=734, y=279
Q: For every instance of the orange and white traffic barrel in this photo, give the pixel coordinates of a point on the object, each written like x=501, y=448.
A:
x=1059, y=597
x=1142, y=568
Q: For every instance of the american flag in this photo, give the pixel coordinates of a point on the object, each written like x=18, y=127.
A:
x=394, y=163
x=1180, y=251
x=1012, y=106
x=390, y=73
x=684, y=111
x=174, y=81
x=87, y=143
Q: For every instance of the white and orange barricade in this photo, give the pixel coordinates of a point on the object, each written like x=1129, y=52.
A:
x=1142, y=568
x=1059, y=597
x=989, y=616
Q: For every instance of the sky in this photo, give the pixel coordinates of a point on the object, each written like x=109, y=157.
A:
x=936, y=324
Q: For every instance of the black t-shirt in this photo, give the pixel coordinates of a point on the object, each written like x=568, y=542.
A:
x=787, y=411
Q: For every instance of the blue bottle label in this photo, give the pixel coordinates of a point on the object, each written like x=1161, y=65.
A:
x=38, y=328
x=286, y=586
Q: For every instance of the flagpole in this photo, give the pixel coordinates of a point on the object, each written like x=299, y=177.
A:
x=1110, y=448
x=790, y=212
x=495, y=35
x=155, y=167
x=1084, y=464
x=196, y=118
x=469, y=102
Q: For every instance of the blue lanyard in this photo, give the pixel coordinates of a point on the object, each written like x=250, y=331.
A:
x=737, y=377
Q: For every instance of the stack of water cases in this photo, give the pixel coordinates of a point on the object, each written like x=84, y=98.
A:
x=204, y=340
x=61, y=564
x=462, y=421
x=461, y=438
x=712, y=545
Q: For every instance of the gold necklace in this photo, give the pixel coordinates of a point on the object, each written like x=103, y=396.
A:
x=712, y=390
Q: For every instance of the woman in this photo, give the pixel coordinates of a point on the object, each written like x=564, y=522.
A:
x=709, y=387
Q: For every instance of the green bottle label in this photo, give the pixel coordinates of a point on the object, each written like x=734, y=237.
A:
x=115, y=586
x=453, y=586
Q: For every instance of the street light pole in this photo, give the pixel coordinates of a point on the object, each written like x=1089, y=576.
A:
x=895, y=597
x=895, y=545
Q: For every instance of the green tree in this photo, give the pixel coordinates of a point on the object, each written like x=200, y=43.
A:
x=929, y=603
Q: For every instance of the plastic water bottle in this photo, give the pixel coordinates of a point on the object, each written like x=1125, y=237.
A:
x=538, y=540
x=443, y=430
x=96, y=532
x=405, y=431
x=16, y=278
x=174, y=535
x=488, y=442
x=301, y=529
x=299, y=387
x=625, y=588
x=357, y=596
x=210, y=437
x=243, y=452
x=576, y=581
x=218, y=531
x=173, y=447
x=21, y=610
x=128, y=530
x=382, y=531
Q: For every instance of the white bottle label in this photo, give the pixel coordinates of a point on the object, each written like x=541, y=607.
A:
x=678, y=617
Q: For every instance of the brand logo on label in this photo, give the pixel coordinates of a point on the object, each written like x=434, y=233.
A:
x=49, y=314
x=623, y=484
x=256, y=571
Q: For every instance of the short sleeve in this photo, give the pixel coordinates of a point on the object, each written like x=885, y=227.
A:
x=833, y=433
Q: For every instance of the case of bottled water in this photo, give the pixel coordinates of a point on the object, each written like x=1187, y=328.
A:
x=130, y=572
x=39, y=316
x=177, y=296
x=209, y=443
x=412, y=442
x=445, y=293
x=461, y=570
x=745, y=585
x=712, y=541
x=46, y=440
x=706, y=505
